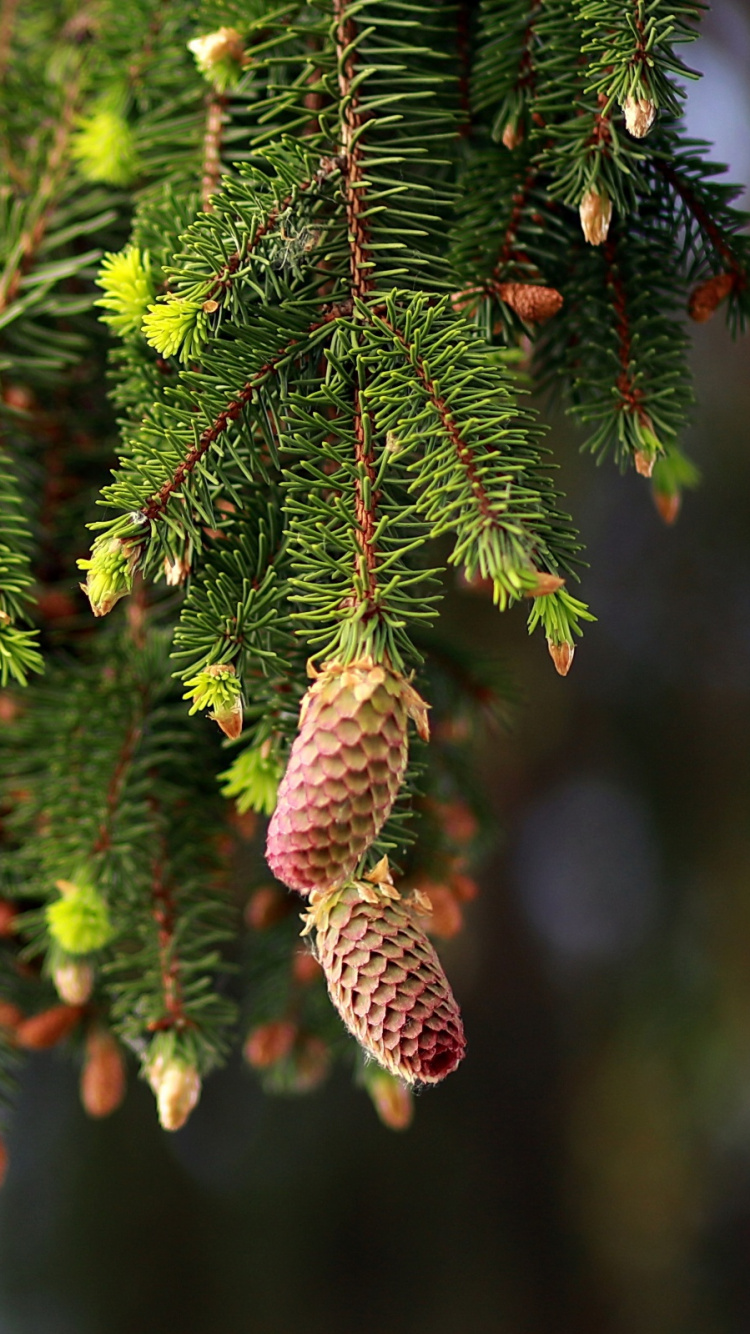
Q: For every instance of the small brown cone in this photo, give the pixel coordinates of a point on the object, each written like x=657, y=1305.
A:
x=48, y=1028
x=532, y=303
x=386, y=980
x=705, y=298
x=103, y=1074
x=265, y=907
x=392, y=1099
x=562, y=656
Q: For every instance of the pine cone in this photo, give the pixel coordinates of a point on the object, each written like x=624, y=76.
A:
x=705, y=298
x=386, y=980
x=346, y=766
x=533, y=303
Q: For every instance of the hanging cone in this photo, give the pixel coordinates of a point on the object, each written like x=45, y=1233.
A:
x=346, y=766
x=532, y=302
x=386, y=980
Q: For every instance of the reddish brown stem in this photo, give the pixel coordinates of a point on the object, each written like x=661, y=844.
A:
x=361, y=281
x=464, y=452
x=704, y=220
x=157, y=504
x=508, y=249
x=632, y=398
x=116, y=784
x=163, y=912
x=7, y=18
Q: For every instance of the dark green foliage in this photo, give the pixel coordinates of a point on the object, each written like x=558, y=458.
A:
x=315, y=264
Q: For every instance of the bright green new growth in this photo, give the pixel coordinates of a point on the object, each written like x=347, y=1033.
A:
x=104, y=148
x=128, y=287
x=253, y=780
x=216, y=688
x=79, y=920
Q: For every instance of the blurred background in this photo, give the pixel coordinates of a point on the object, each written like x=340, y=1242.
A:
x=588, y=1167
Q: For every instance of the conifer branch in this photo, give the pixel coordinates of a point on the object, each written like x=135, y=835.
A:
x=45, y=199
x=164, y=915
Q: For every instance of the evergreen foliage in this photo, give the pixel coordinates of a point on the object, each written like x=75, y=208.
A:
x=316, y=239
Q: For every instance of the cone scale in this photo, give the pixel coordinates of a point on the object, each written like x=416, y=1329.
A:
x=344, y=771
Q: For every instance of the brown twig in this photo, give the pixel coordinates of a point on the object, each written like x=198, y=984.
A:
x=366, y=499
x=116, y=784
x=163, y=912
x=464, y=452
x=632, y=397
x=157, y=503
x=8, y=10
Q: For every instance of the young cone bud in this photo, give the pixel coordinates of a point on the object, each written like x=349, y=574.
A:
x=386, y=980
x=74, y=981
x=10, y=1015
x=532, y=303
x=512, y=135
x=346, y=766
x=595, y=211
x=668, y=504
x=639, y=115
x=48, y=1028
x=705, y=298
x=103, y=1075
x=177, y=1086
x=644, y=462
x=561, y=655
x=392, y=1100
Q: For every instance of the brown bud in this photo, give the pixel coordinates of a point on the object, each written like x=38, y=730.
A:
x=705, y=298
x=668, y=504
x=533, y=303
x=305, y=968
x=644, y=463
x=513, y=135
x=269, y=1043
x=8, y=913
x=595, y=211
x=176, y=571
x=266, y=907
x=640, y=113
x=545, y=584
x=9, y=707
x=391, y=1098
x=103, y=1075
x=74, y=981
x=561, y=655
x=10, y=1015
x=3, y=1162
x=467, y=299
x=458, y=820
x=48, y=1028
x=245, y=824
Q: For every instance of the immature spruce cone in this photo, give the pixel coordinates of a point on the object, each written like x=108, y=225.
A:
x=346, y=766
x=386, y=980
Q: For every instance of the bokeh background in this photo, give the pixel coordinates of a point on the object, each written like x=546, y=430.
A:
x=587, y=1171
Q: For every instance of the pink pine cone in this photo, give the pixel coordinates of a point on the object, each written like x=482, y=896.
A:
x=386, y=981
x=344, y=771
